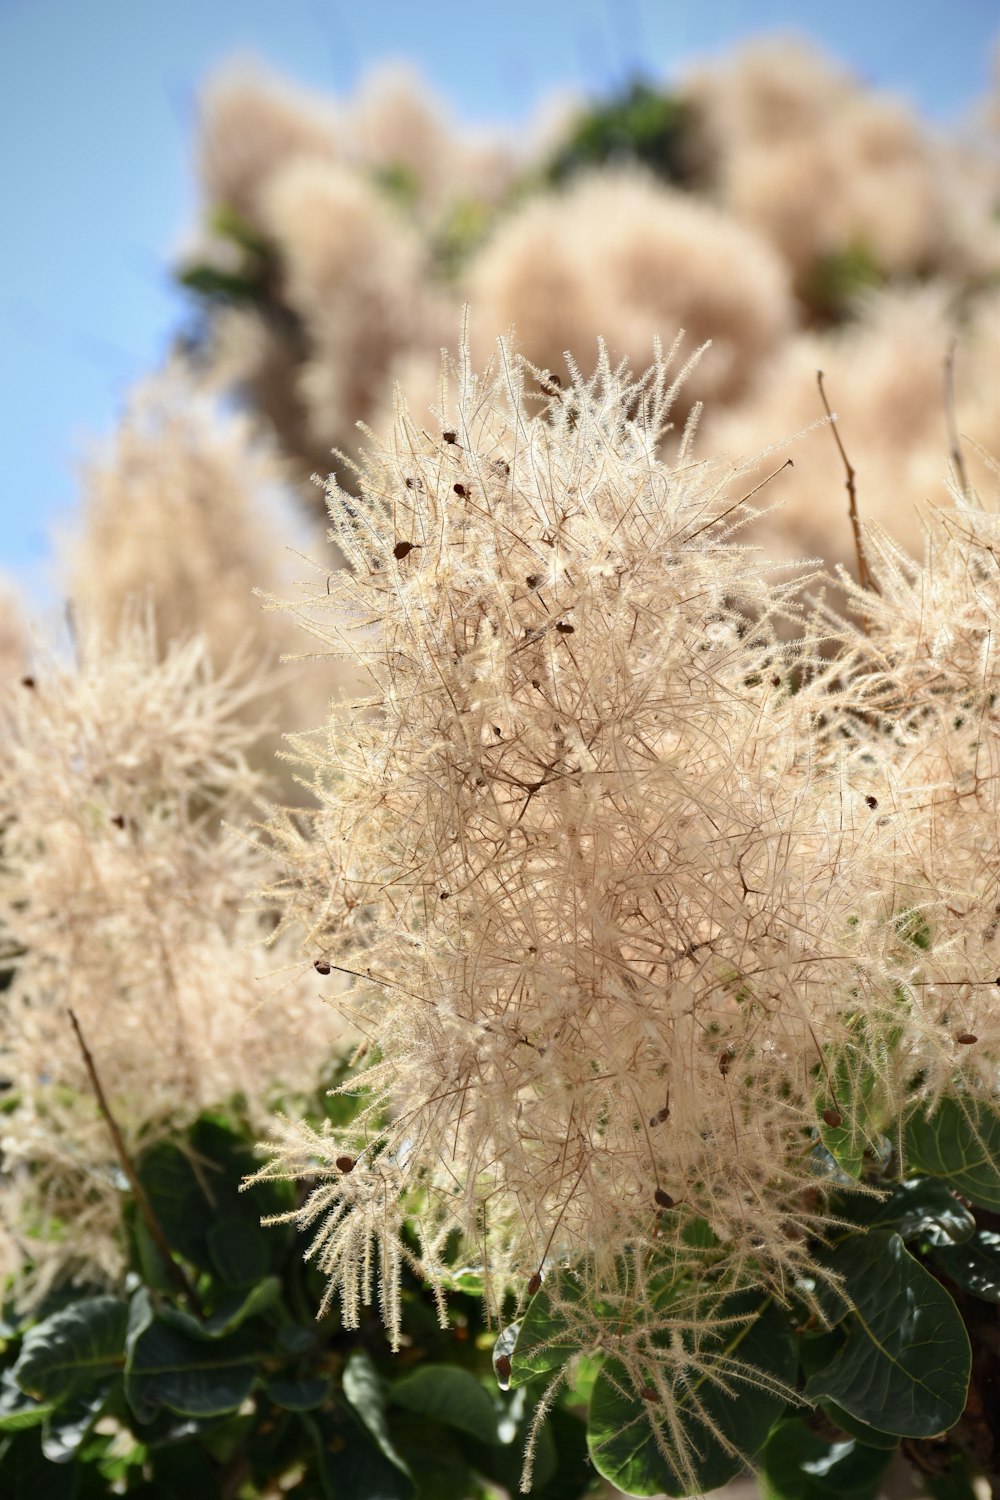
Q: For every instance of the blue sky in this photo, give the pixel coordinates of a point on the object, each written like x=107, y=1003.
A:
x=96, y=119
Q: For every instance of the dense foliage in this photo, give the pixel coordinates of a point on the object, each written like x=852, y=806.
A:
x=222, y=1390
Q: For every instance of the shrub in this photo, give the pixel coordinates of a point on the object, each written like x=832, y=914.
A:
x=673, y=941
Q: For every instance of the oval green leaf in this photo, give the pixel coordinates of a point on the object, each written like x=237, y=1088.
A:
x=449, y=1395
x=81, y=1344
x=546, y=1339
x=723, y=1418
x=974, y=1266
x=923, y=1209
x=905, y=1362
x=165, y=1367
x=959, y=1141
x=364, y=1391
x=798, y=1464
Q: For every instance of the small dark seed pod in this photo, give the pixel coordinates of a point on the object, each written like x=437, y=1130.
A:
x=449, y=436
x=444, y=895
x=460, y=490
x=534, y=1283
x=118, y=820
x=833, y=1118
x=345, y=1164
x=872, y=802
x=564, y=628
x=534, y=579
x=663, y=1199
x=967, y=1038
x=28, y=682
x=321, y=966
x=775, y=680
x=648, y=1394
x=502, y=1366
x=401, y=550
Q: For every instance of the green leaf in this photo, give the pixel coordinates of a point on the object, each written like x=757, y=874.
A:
x=871, y=1437
x=231, y=1313
x=165, y=1367
x=721, y=1420
x=572, y=1474
x=26, y=1474
x=546, y=1336
x=18, y=1411
x=151, y=1265
x=468, y=1280
x=67, y=1426
x=196, y=1190
x=561, y=1470
x=231, y=225
x=75, y=1347
x=503, y=1349
x=449, y=1395
x=294, y=1339
x=363, y=1389
x=436, y=1457
x=179, y=1202
x=212, y=281
x=816, y=1350
x=699, y=1234
x=298, y=1395
x=639, y=124
x=959, y=1141
x=974, y=1266
x=904, y=1365
x=854, y=1085
x=923, y=1209
x=579, y=1385
x=348, y=1463
x=239, y=1251
x=798, y=1464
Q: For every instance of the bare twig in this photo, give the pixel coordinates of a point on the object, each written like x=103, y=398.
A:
x=955, y=449
x=864, y=572
x=143, y=1204
x=788, y=464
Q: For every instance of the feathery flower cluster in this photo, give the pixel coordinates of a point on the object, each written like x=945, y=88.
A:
x=356, y=276
x=885, y=378
x=184, y=512
x=932, y=647
x=635, y=896
x=345, y=234
x=121, y=899
x=822, y=165
x=619, y=256
x=188, y=514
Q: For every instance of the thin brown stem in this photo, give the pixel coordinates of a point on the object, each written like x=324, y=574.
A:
x=954, y=446
x=176, y=1271
x=864, y=572
x=788, y=464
